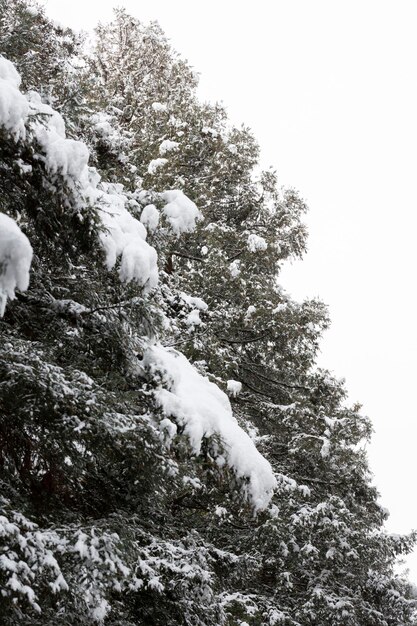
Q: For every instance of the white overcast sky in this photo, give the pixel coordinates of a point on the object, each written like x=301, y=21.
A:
x=329, y=89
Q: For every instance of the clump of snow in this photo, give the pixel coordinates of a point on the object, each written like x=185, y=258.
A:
x=220, y=511
x=66, y=156
x=9, y=73
x=158, y=107
x=63, y=156
x=203, y=410
x=283, y=306
x=193, y=318
x=194, y=482
x=234, y=269
x=69, y=307
x=32, y=10
x=168, y=146
x=99, y=612
x=14, y=107
x=206, y=130
x=150, y=217
x=125, y=236
x=109, y=133
x=255, y=243
x=180, y=211
x=204, y=251
x=194, y=301
x=24, y=168
x=15, y=259
x=156, y=164
x=234, y=387
x=102, y=126
x=168, y=428
x=250, y=311
x=325, y=448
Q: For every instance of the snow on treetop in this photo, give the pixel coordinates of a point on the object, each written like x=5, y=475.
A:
x=180, y=211
x=15, y=260
x=204, y=410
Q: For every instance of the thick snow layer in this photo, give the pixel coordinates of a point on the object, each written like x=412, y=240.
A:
x=150, y=217
x=9, y=72
x=63, y=156
x=167, y=146
x=234, y=387
x=15, y=260
x=256, y=243
x=180, y=211
x=125, y=236
x=14, y=107
x=203, y=410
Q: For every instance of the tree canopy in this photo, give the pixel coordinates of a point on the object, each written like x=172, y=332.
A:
x=170, y=453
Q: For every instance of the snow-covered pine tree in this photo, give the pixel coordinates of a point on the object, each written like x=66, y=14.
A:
x=131, y=494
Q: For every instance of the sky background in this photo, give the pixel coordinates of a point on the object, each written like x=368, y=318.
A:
x=329, y=90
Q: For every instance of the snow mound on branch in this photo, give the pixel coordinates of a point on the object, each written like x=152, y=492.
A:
x=194, y=301
x=180, y=211
x=150, y=217
x=256, y=243
x=158, y=107
x=156, y=164
x=14, y=107
x=125, y=236
x=167, y=146
x=15, y=260
x=234, y=387
x=9, y=72
x=62, y=156
x=203, y=410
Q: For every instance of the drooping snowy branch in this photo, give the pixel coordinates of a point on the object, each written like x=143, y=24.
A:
x=203, y=410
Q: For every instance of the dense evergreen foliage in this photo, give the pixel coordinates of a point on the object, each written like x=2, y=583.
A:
x=129, y=494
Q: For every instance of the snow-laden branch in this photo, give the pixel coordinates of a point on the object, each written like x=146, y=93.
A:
x=203, y=410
